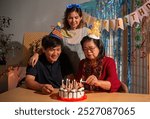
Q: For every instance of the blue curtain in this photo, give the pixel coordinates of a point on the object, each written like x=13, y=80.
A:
x=109, y=9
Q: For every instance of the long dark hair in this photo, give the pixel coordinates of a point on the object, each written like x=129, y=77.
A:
x=97, y=42
x=66, y=14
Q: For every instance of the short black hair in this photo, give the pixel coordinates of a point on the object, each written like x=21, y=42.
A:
x=97, y=42
x=51, y=42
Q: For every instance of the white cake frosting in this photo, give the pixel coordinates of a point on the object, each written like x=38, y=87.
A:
x=71, y=90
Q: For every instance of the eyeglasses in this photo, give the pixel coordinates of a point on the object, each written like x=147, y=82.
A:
x=89, y=49
x=73, y=5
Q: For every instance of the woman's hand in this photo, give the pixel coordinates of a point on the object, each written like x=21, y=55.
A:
x=47, y=89
x=33, y=60
x=92, y=80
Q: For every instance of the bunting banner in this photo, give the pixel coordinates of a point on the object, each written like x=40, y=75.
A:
x=121, y=23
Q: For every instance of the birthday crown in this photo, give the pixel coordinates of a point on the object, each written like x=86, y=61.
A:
x=94, y=31
x=56, y=32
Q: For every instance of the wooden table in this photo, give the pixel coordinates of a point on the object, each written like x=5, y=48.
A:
x=27, y=95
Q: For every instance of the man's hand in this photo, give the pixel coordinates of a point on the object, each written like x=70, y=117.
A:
x=47, y=89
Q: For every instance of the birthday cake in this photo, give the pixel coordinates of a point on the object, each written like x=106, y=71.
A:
x=71, y=91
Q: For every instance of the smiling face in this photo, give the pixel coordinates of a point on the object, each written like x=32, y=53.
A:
x=74, y=20
x=90, y=50
x=52, y=54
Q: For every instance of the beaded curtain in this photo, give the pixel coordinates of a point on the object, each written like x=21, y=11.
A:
x=108, y=9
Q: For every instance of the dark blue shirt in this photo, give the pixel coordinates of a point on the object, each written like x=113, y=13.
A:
x=46, y=72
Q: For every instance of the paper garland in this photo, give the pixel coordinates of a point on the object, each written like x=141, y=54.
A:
x=121, y=23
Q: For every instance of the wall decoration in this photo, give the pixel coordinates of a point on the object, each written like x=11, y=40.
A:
x=118, y=23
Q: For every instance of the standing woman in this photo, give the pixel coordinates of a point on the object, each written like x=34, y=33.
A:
x=97, y=70
x=73, y=31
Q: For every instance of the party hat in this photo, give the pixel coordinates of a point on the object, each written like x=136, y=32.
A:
x=94, y=31
x=56, y=32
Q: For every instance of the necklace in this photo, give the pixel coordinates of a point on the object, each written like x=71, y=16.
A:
x=92, y=68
